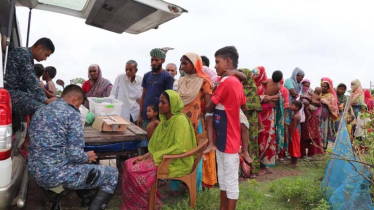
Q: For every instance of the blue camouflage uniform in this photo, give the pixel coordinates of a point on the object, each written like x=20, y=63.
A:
x=56, y=151
x=21, y=82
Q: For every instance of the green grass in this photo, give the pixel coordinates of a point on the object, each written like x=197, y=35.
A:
x=297, y=192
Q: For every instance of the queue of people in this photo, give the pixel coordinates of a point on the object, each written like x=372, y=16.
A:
x=250, y=120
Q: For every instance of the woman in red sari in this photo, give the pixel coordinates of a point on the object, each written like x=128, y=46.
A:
x=368, y=100
x=96, y=86
x=267, y=138
x=310, y=129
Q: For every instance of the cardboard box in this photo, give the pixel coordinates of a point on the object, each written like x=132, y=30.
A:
x=110, y=124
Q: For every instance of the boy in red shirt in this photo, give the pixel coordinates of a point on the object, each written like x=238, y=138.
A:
x=226, y=102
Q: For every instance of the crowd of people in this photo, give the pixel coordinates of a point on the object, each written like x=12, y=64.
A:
x=250, y=120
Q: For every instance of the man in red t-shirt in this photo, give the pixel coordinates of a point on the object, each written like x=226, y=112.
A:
x=226, y=102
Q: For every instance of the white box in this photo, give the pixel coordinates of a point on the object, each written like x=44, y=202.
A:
x=98, y=106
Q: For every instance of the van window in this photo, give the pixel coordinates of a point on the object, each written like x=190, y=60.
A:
x=69, y=4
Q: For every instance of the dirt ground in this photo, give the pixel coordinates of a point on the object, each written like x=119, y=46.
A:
x=36, y=199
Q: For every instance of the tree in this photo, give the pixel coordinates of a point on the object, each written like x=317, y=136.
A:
x=77, y=81
x=59, y=92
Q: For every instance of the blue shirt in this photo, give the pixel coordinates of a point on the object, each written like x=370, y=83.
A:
x=155, y=85
x=56, y=139
x=20, y=74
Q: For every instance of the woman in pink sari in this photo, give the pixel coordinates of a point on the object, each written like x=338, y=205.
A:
x=173, y=135
x=96, y=86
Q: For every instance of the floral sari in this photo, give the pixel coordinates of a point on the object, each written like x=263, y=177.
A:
x=330, y=113
x=253, y=108
x=172, y=136
x=358, y=96
x=267, y=138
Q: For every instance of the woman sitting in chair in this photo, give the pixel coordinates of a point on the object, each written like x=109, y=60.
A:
x=174, y=135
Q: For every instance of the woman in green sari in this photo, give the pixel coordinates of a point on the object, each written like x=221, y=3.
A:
x=253, y=108
x=174, y=135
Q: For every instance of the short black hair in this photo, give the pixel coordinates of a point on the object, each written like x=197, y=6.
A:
x=277, y=76
x=229, y=52
x=155, y=108
x=46, y=43
x=342, y=85
x=73, y=89
x=205, y=60
x=298, y=104
x=51, y=71
x=39, y=69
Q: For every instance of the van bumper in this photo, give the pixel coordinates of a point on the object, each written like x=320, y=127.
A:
x=9, y=192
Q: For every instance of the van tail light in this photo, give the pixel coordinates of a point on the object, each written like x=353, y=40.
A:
x=5, y=124
x=5, y=107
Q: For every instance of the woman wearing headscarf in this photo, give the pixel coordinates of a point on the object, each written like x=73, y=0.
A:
x=357, y=96
x=342, y=100
x=310, y=129
x=96, y=86
x=253, y=109
x=195, y=89
x=330, y=111
x=293, y=83
x=368, y=100
x=174, y=135
x=266, y=138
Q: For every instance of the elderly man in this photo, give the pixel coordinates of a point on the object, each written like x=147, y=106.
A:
x=154, y=83
x=171, y=68
x=57, y=154
x=128, y=89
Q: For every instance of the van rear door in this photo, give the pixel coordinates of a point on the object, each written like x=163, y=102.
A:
x=130, y=16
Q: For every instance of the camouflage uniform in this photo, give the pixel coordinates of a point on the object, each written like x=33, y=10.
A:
x=56, y=151
x=20, y=80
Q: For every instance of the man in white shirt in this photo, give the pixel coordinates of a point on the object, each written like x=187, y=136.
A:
x=171, y=68
x=128, y=89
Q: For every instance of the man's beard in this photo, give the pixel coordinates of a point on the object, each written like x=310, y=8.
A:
x=156, y=69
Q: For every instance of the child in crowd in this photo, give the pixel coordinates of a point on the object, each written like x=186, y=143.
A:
x=226, y=102
x=39, y=71
x=50, y=73
x=350, y=124
x=152, y=115
x=362, y=124
x=316, y=97
x=294, y=145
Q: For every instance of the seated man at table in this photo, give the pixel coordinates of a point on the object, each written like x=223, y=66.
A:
x=56, y=152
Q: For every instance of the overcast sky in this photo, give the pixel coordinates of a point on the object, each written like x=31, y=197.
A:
x=333, y=38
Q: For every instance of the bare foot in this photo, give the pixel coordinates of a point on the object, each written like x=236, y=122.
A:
x=262, y=171
x=209, y=148
x=246, y=157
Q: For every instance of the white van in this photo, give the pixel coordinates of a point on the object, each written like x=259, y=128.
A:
x=130, y=16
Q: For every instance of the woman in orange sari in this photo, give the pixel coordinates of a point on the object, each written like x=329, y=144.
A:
x=330, y=111
x=195, y=89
